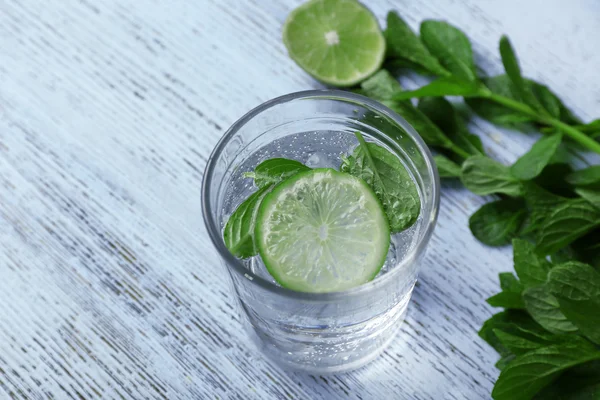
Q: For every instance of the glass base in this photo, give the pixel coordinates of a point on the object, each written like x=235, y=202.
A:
x=326, y=350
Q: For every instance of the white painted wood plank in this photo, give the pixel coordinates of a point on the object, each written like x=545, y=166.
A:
x=109, y=285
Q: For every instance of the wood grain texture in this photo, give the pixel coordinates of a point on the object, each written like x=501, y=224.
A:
x=109, y=286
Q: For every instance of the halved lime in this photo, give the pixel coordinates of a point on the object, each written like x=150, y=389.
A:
x=322, y=231
x=336, y=41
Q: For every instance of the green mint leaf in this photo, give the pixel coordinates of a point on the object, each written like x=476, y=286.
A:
x=566, y=223
x=510, y=297
x=382, y=86
x=482, y=176
x=575, y=281
x=591, y=195
x=528, y=373
x=553, y=178
x=442, y=113
x=446, y=168
x=541, y=204
x=390, y=181
x=531, y=269
x=451, y=47
x=511, y=66
x=403, y=43
x=533, y=162
x=494, y=112
x=585, y=177
x=275, y=170
x=581, y=382
x=577, y=288
x=515, y=322
x=546, y=98
x=497, y=222
x=545, y=310
x=446, y=86
x=398, y=65
x=590, y=127
x=517, y=344
x=239, y=230
x=504, y=361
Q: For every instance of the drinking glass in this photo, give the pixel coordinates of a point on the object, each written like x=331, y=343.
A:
x=319, y=332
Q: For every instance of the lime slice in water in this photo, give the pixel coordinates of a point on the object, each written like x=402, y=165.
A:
x=322, y=231
x=336, y=41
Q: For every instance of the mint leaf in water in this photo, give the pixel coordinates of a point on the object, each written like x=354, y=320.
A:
x=531, y=269
x=239, y=230
x=482, y=176
x=275, y=170
x=451, y=47
x=403, y=43
x=510, y=297
x=446, y=168
x=390, y=181
x=528, y=373
x=533, y=162
x=545, y=310
x=496, y=223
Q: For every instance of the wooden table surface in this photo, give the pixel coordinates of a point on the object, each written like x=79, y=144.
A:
x=109, y=286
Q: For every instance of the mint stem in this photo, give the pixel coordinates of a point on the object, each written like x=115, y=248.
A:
x=568, y=130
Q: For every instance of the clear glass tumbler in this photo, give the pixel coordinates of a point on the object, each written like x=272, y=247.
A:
x=319, y=332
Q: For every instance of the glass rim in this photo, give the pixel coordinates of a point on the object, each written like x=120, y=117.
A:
x=234, y=263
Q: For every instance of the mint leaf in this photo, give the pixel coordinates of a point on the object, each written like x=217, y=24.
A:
x=585, y=177
x=581, y=382
x=528, y=373
x=566, y=223
x=545, y=310
x=446, y=168
x=451, y=47
x=511, y=66
x=531, y=269
x=541, y=205
x=533, y=162
x=496, y=113
x=275, y=170
x=496, y=223
x=382, y=86
x=552, y=178
x=446, y=86
x=482, y=176
x=577, y=288
x=515, y=322
x=591, y=195
x=390, y=181
x=403, y=43
x=510, y=297
x=517, y=344
x=239, y=230
x=443, y=114
x=546, y=98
